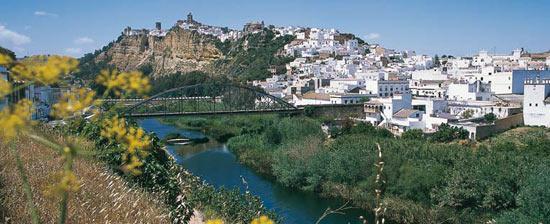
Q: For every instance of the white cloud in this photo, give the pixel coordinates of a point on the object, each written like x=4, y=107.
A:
x=13, y=37
x=372, y=36
x=73, y=51
x=42, y=13
x=84, y=40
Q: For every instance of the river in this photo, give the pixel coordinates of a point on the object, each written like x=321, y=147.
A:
x=215, y=164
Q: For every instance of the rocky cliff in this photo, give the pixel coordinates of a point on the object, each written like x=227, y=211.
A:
x=180, y=50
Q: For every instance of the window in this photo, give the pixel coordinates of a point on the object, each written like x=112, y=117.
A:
x=536, y=104
x=530, y=104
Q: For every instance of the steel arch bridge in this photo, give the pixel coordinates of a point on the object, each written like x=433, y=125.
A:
x=209, y=99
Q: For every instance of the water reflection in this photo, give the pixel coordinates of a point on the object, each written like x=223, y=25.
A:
x=214, y=163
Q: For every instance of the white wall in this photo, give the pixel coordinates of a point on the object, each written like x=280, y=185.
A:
x=535, y=111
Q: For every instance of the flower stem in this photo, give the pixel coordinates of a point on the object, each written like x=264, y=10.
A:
x=65, y=195
x=26, y=186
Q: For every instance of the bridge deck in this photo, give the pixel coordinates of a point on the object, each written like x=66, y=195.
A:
x=198, y=113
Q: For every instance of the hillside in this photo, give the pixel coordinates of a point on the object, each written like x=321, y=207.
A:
x=92, y=203
x=183, y=51
x=180, y=50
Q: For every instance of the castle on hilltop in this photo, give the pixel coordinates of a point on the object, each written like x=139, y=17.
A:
x=190, y=24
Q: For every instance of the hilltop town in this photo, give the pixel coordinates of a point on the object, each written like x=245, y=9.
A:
x=400, y=90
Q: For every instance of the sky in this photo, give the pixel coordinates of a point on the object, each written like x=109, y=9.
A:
x=457, y=27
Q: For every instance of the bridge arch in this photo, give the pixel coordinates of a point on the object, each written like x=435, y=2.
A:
x=207, y=99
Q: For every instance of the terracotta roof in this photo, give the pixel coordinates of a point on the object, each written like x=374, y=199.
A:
x=316, y=96
x=404, y=113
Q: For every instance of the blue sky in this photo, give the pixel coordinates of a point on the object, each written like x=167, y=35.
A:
x=458, y=27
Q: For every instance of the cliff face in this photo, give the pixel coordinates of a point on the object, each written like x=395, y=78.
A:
x=180, y=50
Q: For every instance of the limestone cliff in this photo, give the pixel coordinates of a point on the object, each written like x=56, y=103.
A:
x=180, y=50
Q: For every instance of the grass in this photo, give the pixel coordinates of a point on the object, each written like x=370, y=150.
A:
x=103, y=197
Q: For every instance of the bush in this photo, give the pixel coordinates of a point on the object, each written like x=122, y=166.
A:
x=490, y=117
x=413, y=134
x=447, y=133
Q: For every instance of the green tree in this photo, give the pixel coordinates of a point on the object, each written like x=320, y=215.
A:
x=490, y=117
x=467, y=114
x=413, y=134
x=447, y=133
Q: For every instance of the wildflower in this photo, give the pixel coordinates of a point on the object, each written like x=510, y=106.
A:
x=133, y=139
x=73, y=102
x=5, y=59
x=114, y=128
x=5, y=87
x=214, y=221
x=136, y=140
x=48, y=72
x=124, y=82
x=262, y=220
x=15, y=118
x=137, y=143
x=66, y=181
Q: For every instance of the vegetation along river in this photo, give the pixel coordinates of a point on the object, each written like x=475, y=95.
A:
x=217, y=165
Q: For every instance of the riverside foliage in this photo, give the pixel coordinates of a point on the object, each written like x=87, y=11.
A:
x=500, y=179
x=128, y=150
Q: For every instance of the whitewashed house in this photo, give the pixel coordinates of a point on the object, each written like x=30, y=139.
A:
x=536, y=102
x=464, y=91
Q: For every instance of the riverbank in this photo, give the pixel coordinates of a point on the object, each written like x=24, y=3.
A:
x=426, y=182
x=180, y=190
x=103, y=197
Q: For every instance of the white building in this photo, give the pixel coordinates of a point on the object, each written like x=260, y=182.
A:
x=348, y=98
x=536, y=102
x=464, y=91
x=509, y=82
x=385, y=88
x=477, y=109
x=428, y=88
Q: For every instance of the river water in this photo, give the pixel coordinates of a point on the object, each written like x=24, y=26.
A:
x=217, y=165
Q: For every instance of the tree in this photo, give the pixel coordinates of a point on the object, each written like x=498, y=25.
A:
x=467, y=114
x=437, y=63
x=490, y=117
x=447, y=133
x=413, y=134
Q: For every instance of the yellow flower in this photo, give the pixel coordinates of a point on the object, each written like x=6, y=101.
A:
x=114, y=128
x=5, y=88
x=74, y=102
x=124, y=82
x=135, y=141
x=45, y=70
x=214, y=221
x=262, y=220
x=5, y=59
x=66, y=181
x=15, y=118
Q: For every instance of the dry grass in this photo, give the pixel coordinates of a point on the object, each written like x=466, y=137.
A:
x=103, y=197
